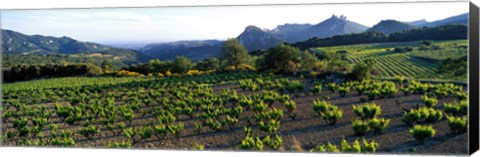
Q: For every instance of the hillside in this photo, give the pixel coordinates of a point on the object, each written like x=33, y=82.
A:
x=195, y=50
x=390, y=26
x=419, y=62
x=461, y=19
x=447, y=32
x=330, y=27
x=287, y=31
x=15, y=44
x=254, y=38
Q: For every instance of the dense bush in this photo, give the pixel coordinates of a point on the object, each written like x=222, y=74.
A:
x=367, y=111
x=378, y=124
x=270, y=127
x=330, y=113
x=251, y=143
x=88, y=131
x=423, y=114
x=122, y=144
x=273, y=143
x=429, y=102
x=343, y=91
x=356, y=146
x=198, y=146
x=24, y=72
x=456, y=109
x=316, y=89
x=420, y=132
x=328, y=148
x=458, y=124
x=360, y=127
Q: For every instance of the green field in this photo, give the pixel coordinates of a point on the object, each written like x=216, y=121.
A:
x=421, y=62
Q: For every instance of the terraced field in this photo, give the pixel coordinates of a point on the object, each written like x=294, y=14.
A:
x=421, y=62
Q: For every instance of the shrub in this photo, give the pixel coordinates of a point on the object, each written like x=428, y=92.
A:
x=230, y=121
x=316, y=89
x=367, y=111
x=398, y=50
x=145, y=132
x=275, y=114
x=294, y=85
x=273, y=143
x=343, y=91
x=346, y=147
x=373, y=93
x=122, y=144
x=458, y=109
x=429, y=102
x=247, y=143
x=461, y=95
x=198, y=146
x=259, y=107
x=290, y=105
x=214, y=124
x=320, y=106
x=176, y=129
x=407, y=91
x=66, y=139
x=250, y=143
x=360, y=88
x=328, y=148
x=20, y=123
x=431, y=114
x=358, y=147
x=420, y=132
x=328, y=112
x=124, y=73
x=360, y=127
x=332, y=87
x=160, y=131
x=378, y=124
x=458, y=124
x=284, y=98
x=422, y=114
x=399, y=79
x=246, y=102
x=332, y=115
x=271, y=127
x=388, y=89
x=247, y=131
x=369, y=147
x=88, y=131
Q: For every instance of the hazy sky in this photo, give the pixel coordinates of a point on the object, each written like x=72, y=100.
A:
x=196, y=23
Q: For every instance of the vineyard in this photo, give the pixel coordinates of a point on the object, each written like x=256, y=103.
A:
x=241, y=111
x=408, y=59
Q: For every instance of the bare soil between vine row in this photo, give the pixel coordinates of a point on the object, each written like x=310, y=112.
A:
x=307, y=130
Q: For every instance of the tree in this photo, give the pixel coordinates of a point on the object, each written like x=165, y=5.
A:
x=278, y=58
x=308, y=61
x=208, y=64
x=233, y=53
x=181, y=64
x=363, y=69
x=107, y=65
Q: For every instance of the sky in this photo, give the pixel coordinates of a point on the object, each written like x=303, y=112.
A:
x=166, y=24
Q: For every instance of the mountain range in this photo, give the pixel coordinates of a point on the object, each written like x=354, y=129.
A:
x=15, y=43
x=253, y=38
x=195, y=50
x=391, y=26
